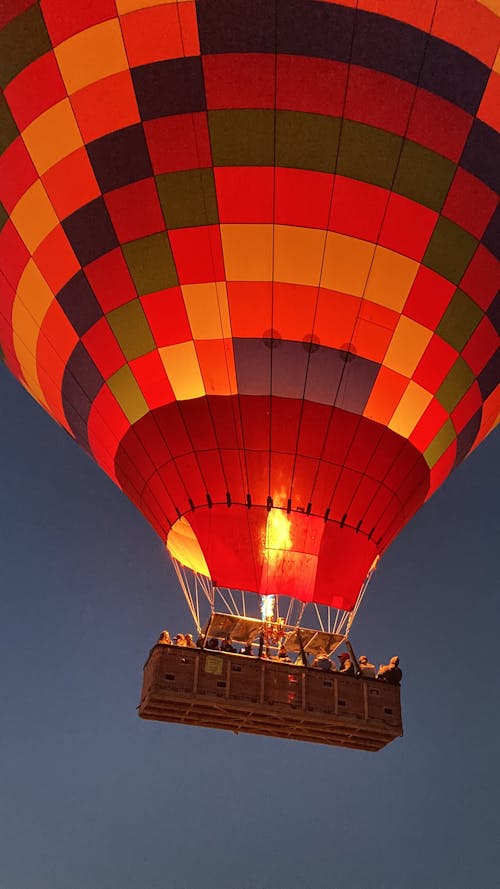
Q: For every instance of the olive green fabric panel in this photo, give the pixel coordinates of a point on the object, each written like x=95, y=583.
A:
x=368, y=154
x=151, y=263
x=455, y=385
x=126, y=390
x=440, y=444
x=450, y=250
x=242, y=138
x=188, y=198
x=307, y=141
x=8, y=128
x=22, y=41
x=423, y=176
x=131, y=329
x=459, y=321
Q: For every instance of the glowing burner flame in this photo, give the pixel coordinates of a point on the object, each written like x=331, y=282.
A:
x=277, y=534
x=278, y=540
x=267, y=607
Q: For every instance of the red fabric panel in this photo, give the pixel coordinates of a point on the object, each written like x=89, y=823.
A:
x=212, y=470
x=313, y=428
x=245, y=194
x=180, y=142
x=429, y=298
x=35, y=89
x=169, y=476
x=173, y=429
x=344, y=561
x=467, y=407
x=13, y=254
x=302, y=198
x=366, y=491
x=439, y=125
x=309, y=84
x=303, y=484
x=198, y=254
x=17, y=173
x=255, y=422
x=65, y=19
x=281, y=475
x=236, y=80
x=226, y=417
x=258, y=475
x=198, y=423
x=357, y=208
x=470, y=203
x=235, y=474
x=482, y=278
x=442, y=468
x=110, y=280
x=378, y=99
x=327, y=478
x=407, y=227
x=230, y=540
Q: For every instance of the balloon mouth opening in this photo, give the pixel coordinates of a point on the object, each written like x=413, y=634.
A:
x=271, y=552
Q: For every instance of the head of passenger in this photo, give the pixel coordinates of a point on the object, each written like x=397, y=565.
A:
x=363, y=659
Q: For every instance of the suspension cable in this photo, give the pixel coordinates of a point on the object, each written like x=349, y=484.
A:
x=187, y=593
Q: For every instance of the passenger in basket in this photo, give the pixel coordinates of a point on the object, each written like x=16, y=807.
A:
x=212, y=645
x=189, y=641
x=346, y=665
x=247, y=649
x=180, y=640
x=391, y=672
x=283, y=653
x=366, y=669
x=323, y=662
x=200, y=642
x=226, y=645
x=164, y=638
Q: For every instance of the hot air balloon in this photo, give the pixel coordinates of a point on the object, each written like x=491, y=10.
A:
x=249, y=255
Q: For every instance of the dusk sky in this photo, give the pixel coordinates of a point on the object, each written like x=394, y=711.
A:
x=94, y=798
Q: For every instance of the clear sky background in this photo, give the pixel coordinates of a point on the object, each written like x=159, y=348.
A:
x=91, y=797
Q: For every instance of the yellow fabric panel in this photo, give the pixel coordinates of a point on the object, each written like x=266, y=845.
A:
x=248, y=252
x=91, y=55
x=407, y=346
x=413, y=403
x=298, y=253
x=52, y=136
x=128, y=394
x=391, y=278
x=183, y=370
x=33, y=299
x=216, y=360
x=34, y=216
x=207, y=310
x=346, y=264
x=183, y=545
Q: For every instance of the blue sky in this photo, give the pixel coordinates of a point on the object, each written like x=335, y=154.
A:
x=94, y=798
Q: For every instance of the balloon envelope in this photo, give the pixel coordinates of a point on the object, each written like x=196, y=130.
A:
x=249, y=254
